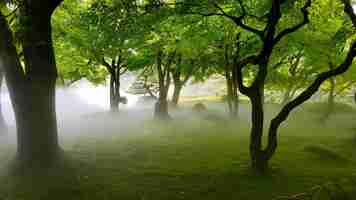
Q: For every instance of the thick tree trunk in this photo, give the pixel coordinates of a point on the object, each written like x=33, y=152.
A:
x=37, y=138
x=258, y=160
x=36, y=115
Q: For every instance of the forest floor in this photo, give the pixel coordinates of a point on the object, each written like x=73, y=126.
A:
x=193, y=158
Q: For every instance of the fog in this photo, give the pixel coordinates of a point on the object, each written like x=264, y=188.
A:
x=83, y=109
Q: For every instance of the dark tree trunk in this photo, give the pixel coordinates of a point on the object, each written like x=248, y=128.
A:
x=258, y=160
x=37, y=138
x=114, y=101
x=32, y=91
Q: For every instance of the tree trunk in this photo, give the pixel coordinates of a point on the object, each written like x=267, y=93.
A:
x=229, y=92
x=176, y=93
x=164, y=80
x=235, y=93
x=114, y=104
x=161, y=106
x=36, y=115
x=231, y=85
x=114, y=91
x=258, y=160
x=3, y=128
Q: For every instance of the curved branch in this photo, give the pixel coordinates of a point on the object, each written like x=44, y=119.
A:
x=108, y=66
x=304, y=96
x=349, y=11
x=298, y=26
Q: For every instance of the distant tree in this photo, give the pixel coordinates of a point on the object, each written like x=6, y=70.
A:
x=105, y=35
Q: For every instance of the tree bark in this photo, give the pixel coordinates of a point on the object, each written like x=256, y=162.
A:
x=258, y=161
x=37, y=138
x=32, y=91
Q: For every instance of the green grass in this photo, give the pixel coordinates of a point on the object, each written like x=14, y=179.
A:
x=192, y=159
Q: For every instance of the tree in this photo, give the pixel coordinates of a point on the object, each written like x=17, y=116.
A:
x=106, y=34
x=32, y=86
x=270, y=29
x=164, y=80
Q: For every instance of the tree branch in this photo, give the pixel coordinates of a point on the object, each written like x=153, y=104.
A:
x=305, y=21
x=108, y=66
x=349, y=11
x=237, y=20
x=304, y=96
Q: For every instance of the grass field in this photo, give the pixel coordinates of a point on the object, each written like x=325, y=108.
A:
x=193, y=159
